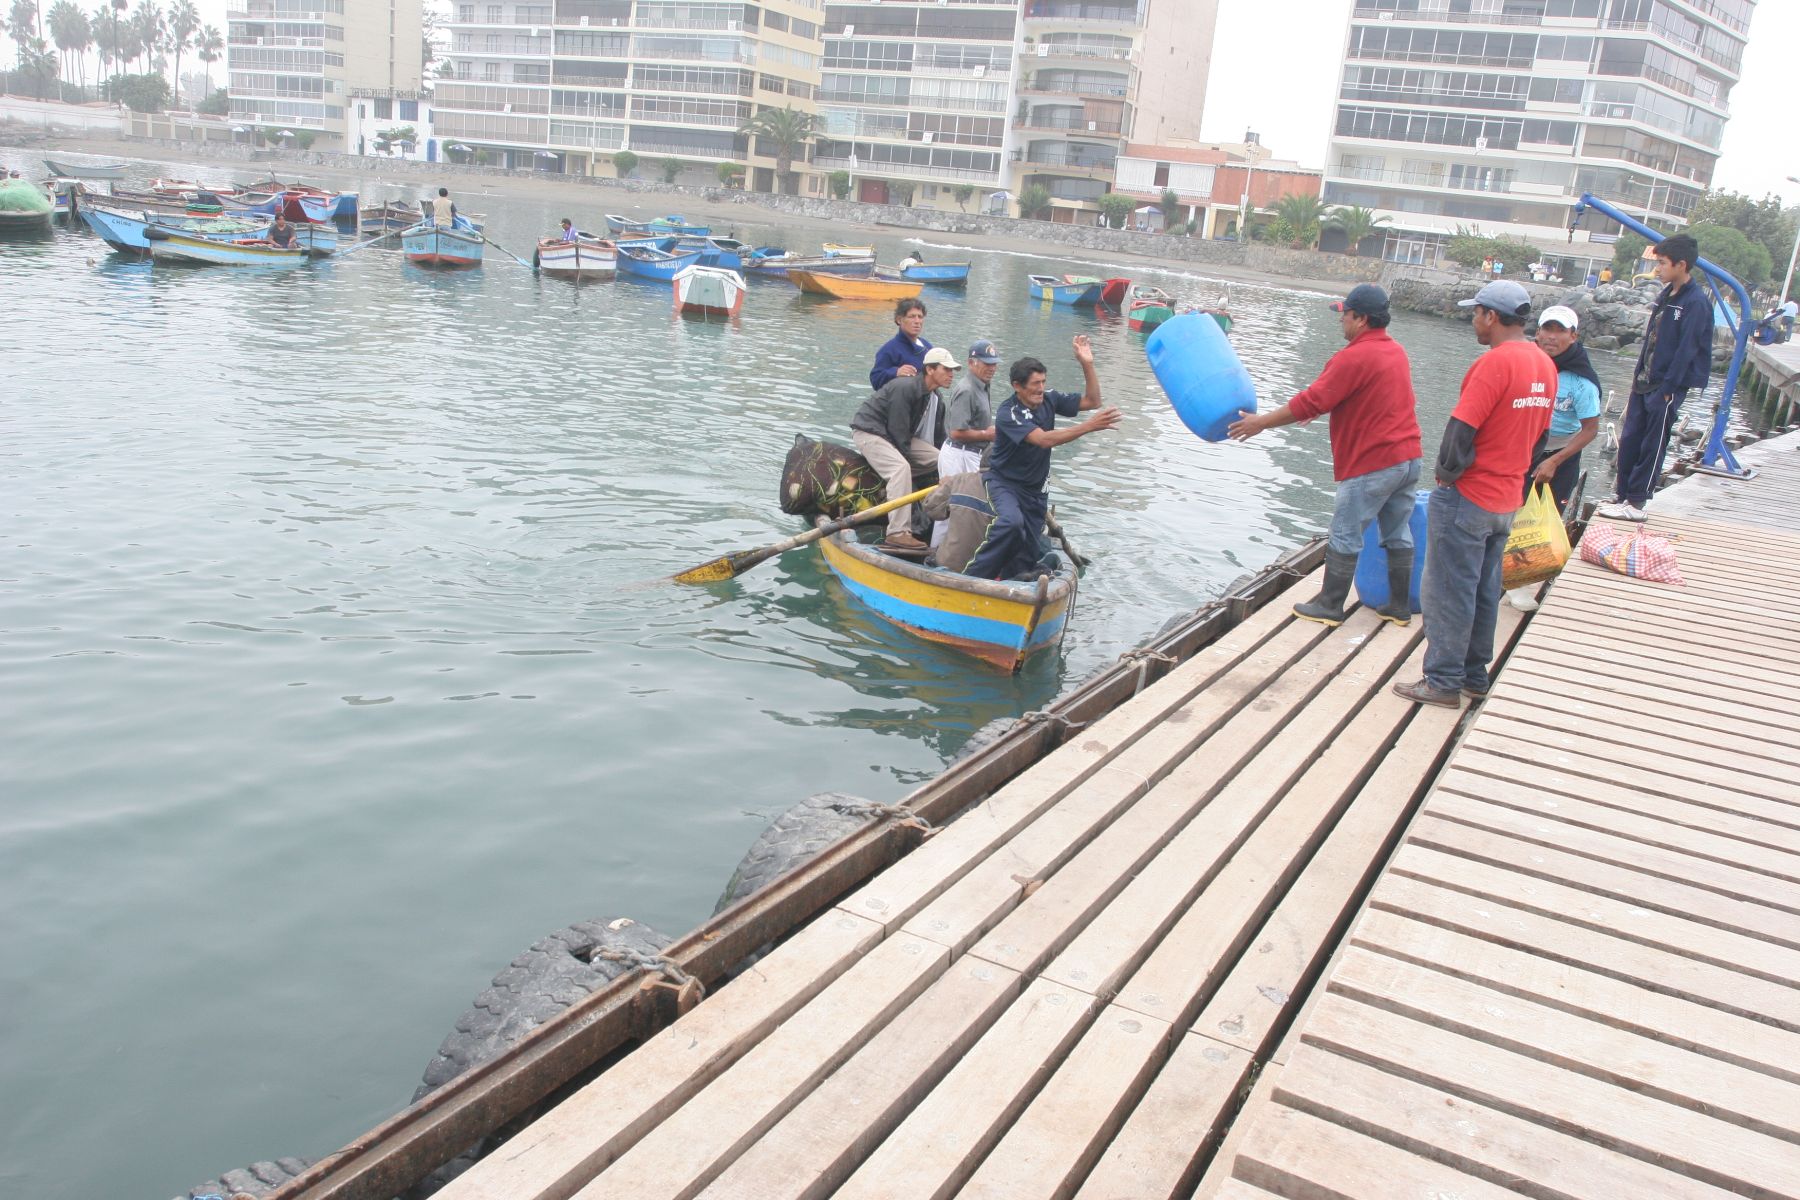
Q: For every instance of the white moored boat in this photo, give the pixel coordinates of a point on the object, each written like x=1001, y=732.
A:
x=588, y=257
x=709, y=291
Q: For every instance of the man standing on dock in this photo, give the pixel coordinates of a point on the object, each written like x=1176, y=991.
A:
x=1675, y=358
x=885, y=432
x=1024, y=434
x=1495, y=430
x=1375, y=453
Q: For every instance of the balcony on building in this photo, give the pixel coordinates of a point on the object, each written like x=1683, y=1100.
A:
x=1067, y=159
x=1084, y=14
x=1073, y=121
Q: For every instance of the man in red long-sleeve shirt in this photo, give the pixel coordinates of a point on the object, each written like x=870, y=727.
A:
x=1375, y=452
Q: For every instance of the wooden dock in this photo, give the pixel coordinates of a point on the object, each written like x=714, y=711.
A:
x=1267, y=930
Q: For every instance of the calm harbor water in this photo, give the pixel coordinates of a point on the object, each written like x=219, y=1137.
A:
x=334, y=678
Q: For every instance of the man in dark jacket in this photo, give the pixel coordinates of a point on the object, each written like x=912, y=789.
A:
x=884, y=432
x=1676, y=357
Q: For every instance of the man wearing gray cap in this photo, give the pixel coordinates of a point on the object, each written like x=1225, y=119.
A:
x=1499, y=421
x=1375, y=454
x=969, y=415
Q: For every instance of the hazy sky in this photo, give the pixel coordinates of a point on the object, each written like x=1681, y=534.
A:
x=1276, y=62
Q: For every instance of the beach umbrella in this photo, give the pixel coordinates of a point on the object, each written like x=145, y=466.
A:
x=239, y=129
x=546, y=154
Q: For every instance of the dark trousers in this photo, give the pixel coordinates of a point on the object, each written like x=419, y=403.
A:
x=1643, y=443
x=1012, y=543
x=1562, y=484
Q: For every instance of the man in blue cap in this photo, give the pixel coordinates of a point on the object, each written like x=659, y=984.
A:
x=969, y=416
x=1375, y=453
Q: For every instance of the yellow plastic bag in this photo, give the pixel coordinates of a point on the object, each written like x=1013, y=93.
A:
x=1538, y=546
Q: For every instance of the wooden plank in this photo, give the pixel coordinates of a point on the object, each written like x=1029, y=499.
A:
x=1294, y=1154
x=1132, y=756
x=1610, y=866
x=1575, y=620
x=1724, y=700
x=1707, y=783
x=816, y=1146
x=568, y=1146
x=1573, y=1043
x=1218, y=1172
x=1548, y=936
x=1678, y=1139
x=1472, y=1138
x=1666, y=824
x=1233, y=1189
x=1629, y=652
x=1171, y=1133
x=1319, y=697
x=1712, y=597
x=692, y=1145
x=1680, y=734
x=1704, y=942
x=938, y=1145
x=1727, y=1037
x=1692, y=609
x=1056, y=1140
x=1669, y=694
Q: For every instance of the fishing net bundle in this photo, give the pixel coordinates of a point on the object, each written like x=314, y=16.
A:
x=824, y=477
x=19, y=196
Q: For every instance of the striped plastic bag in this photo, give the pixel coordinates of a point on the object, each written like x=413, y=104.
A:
x=1632, y=550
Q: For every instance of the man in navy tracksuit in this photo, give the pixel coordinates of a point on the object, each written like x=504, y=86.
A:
x=1024, y=433
x=1676, y=357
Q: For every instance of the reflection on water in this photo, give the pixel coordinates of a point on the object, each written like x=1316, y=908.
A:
x=335, y=678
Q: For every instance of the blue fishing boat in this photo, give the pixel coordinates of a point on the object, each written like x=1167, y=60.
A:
x=340, y=206
x=317, y=238
x=167, y=245
x=449, y=246
x=646, y=263
x=661, y=241
x=946, y=274
x=1049, y=287
x=727, y=253
x=389, y=217
x=777, y=266
x=1002, y=622
x=129, y=234
x=671, y=224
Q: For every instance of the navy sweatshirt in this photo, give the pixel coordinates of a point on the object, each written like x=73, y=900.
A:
x=1677, y=350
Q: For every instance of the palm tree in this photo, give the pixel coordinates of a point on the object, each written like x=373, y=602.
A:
x=209, y=48
x=184, y=22
x=1303, y=214
x=22, y=20
x=37, y=60
x=789, y=130
x=1357, y=224
x=69, y=30
x=147, y=24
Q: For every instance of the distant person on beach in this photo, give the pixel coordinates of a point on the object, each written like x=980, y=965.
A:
x=1494, y=431
x=1676, y=358
x=1375, y=453
x=569, y=232
x=443, y=211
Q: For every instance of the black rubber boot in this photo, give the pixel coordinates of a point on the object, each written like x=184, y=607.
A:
x=1327, y=608
x=1398, y=609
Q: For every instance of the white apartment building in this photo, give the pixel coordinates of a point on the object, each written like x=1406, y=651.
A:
x=564, y=84
x=296, y=65
x=1498, y=114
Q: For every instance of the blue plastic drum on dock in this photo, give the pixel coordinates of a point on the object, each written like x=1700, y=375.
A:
x=1371, y=564
x=1201, y=374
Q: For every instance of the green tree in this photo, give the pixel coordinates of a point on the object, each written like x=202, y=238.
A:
x=730, y=174
x=670, y=168
x=1170, y=203
x=147, y=26
x=209, y=48
x=624, y=163
x=38, y=63
x=1116, y=209
x=839, y=182
x=216, y=104
x=1764, y=221
x=1034, y=201
x=788, y=130
x=1357, y=224
x=184, y=23
x=21, y=27
x=140, y=93
x=963, y=193
x=901, y=192
x=1733, y=250
x=1627, y=253
x=70, y=31
x=1471, y=249
x=1304, y=215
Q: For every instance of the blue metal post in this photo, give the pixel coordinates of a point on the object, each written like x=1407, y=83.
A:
x=1716, y=458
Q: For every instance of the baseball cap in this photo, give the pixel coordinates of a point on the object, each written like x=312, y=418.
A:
x=1561, y=314
x=1502, y=295
x=1364, y=298
x=937, y=356
x=985, y=351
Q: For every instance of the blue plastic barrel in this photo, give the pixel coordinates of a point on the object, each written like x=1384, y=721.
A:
x=1371, y=564
x=1201, y=374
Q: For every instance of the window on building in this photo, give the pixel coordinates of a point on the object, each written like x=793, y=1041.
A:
x=409, y=110
x=490, y=71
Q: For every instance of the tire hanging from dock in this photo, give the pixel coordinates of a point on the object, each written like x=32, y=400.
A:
x=257, y=1179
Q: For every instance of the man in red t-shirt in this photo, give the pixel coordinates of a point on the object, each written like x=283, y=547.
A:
x=1499, y=421
x=1367, y=389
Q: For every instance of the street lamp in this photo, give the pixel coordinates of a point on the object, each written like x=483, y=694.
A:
x=1788, y=282
x=1243, y=234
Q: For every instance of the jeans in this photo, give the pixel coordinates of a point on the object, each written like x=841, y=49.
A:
x=1013, y=543
x=1465, y=549
x=1384, y=496
x=1643, y=441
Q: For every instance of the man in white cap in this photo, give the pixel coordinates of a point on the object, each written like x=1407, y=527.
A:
x=1493, y=433
x=884, y=432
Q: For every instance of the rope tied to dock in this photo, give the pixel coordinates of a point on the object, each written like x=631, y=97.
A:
x=897, y=813
x=1143, y=656
x=637, y=960
x=1037, y=717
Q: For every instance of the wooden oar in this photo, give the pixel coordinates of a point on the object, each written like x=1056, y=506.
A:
x=730, y=566
x=502, y=249
x=1056, y=531
x=365, y=245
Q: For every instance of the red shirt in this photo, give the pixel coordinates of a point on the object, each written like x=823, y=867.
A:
x=1506, y=396
x=1367, y=389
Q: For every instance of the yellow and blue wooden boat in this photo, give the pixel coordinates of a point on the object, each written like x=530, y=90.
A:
x=846, y=287
x=1001, y=622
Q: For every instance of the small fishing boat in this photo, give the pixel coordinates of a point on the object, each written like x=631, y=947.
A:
x=716, y=251
x=1112, y=292
x=588, y=257
x=1221, y=315
x=1001, y=622
x=387, y=217
x=778, y=266
x=449, y=246
x=65, y=197
x=708, y=291
x=664, y=265
x=1049, y=287
x=850, y=287
x=128, y=233
x=671, y=224
x=947, y=274
x=836, y=249
x=1147, y=307
x=24, y=207
x=174, y=246
x=339, y=206
x=72, y=170
x=317, y=238
x=649, y=241
x=135, y=201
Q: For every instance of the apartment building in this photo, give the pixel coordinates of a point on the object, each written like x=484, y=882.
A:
x=564, y=84
x=1499, y=114
x=296, y=65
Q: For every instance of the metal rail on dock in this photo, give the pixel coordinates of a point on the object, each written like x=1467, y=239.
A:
x=412, y=1143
